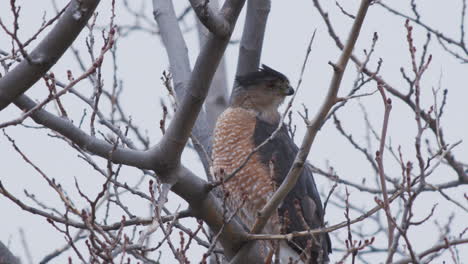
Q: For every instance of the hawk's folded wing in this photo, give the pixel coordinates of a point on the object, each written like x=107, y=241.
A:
x=302, y=208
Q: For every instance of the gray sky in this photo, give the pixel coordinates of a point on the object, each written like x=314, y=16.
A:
x=142, y=58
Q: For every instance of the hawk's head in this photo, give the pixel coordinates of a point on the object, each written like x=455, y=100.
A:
x=262, y=91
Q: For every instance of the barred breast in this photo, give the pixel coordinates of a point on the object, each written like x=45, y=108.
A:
x=232, y=142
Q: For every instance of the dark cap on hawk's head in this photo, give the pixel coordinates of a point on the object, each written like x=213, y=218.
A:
x=264, y=74
x=262, y=91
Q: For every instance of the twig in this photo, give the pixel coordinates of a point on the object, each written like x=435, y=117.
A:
x=24, y=75
x=70, y=85
x=323, y=230
x=379, y=158
x=24, y=242
x=444, y=245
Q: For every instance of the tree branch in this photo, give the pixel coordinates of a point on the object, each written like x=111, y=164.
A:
x=210, y=209
x=47, y=53
x=434, y=249
x=217, y=98
x=178, y=132
x=173, y=40
x=329, y=229
x=211, y=19
x=164, y=158
x=136, y=158
x=177, y=52
x=379, y=158
x=250, y=49
x=190, y=187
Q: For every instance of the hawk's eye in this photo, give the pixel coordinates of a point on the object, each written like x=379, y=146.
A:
x=271, y=85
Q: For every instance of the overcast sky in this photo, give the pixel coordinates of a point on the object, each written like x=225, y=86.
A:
x=142, y=59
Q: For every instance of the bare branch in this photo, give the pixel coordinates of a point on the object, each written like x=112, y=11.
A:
x=329, y=229
x=211, y=19
x=179, y=130
x=379, y=158
x=140, y=159
x=176, y=48
x=218, y=97
x=54, y=96
x=250, y=49
x=440, y=35
x=450, y=158
x=435, y=249
x=173, y=40
x=47, y=53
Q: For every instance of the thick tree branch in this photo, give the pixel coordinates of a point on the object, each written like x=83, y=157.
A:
x=180, y=129
x=210, y=209
x=211, y=19
x=250, y=49
x=164, y=157
x=312, y=128
x=190, y=187
x=136, y=158
x=47, y=53
x=177, y=52
x=95, y=66
x=173, y=40
x=217, y=98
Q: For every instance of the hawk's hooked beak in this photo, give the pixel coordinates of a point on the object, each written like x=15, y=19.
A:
x=289, y=91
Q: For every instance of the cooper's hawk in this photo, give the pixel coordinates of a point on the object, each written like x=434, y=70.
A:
x=250, y=119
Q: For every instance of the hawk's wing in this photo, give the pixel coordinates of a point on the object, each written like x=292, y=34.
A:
x=302, y=208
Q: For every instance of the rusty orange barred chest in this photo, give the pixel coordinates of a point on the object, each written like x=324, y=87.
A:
x=232, y=143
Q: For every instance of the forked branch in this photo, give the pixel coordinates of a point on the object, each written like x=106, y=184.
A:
x=47, y=53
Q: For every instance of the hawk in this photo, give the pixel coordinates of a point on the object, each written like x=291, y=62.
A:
x=250, y=119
